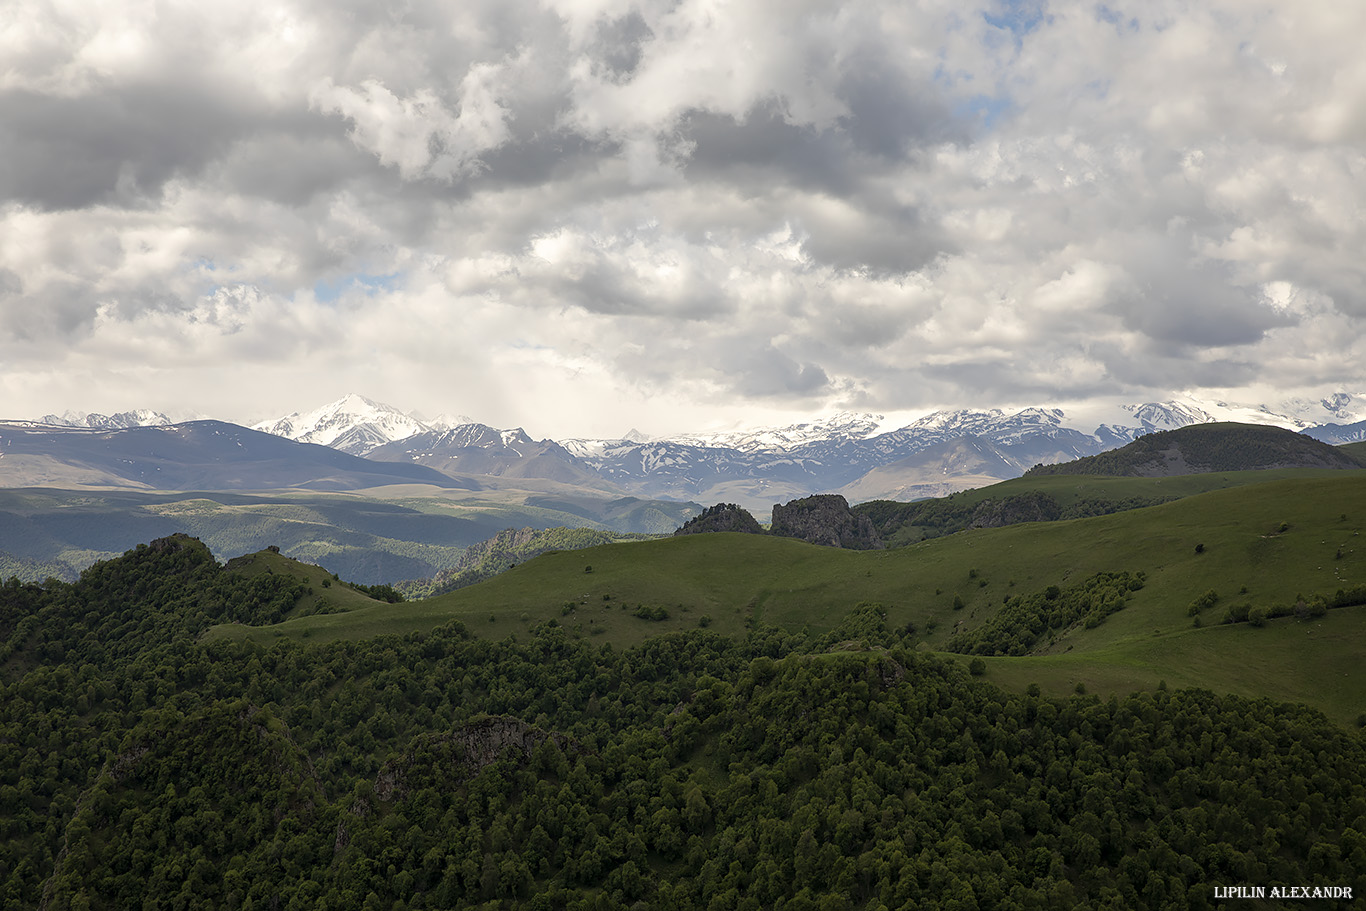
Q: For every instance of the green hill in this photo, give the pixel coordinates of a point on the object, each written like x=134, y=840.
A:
x=1202, y=448
x=1047, y=498
x=1258, y=546
x=842, y=767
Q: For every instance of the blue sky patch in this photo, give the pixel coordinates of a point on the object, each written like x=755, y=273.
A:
x=1019, y=17
x=329, y=291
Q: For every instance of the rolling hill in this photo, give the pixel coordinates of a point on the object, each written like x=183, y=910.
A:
x=1202, y=448
x=1260, y=546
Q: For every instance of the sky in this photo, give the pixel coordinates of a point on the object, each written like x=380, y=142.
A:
x=584, y=216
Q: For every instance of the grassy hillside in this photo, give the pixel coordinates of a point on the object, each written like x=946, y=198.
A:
x=1038, y=498
x=1263, y=546
x=1208, y=447
x=1355, y=450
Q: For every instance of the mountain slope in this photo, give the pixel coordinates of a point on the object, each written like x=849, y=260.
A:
x=1337, y=434
x=199, y=455
x=1206, y=448
x=937, y=471
x=477, y=449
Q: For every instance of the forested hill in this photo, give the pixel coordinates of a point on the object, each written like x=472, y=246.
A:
x=140, y=768
x=1202, y=448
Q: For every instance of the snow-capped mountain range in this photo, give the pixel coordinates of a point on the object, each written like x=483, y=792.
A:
x=861, y=454
x=353, y=424
x=120, y=421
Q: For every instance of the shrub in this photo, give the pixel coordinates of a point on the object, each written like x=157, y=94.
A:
x=977, y=667
x=1208, y=599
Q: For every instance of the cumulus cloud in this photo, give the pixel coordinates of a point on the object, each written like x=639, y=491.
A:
x=596, y=213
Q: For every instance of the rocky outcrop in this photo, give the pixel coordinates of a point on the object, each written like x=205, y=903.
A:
x=825, y=519
x=721, y=517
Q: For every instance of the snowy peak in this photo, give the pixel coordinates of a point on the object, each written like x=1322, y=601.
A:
x=124, y=419
x=1155, y=416
x=845, y=425
x=444, y=421
x=353, y=424
x=961, y=421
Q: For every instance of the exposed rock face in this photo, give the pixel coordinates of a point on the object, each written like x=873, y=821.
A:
x=721, y=517
x=825, y=519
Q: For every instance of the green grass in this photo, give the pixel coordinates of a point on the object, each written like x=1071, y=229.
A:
x=1317, y=662
x=735, y=579
x=1070, y=489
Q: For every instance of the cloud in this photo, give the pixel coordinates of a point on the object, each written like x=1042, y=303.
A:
x=648, y=212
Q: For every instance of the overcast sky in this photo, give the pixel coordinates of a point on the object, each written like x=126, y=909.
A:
x=580, y=216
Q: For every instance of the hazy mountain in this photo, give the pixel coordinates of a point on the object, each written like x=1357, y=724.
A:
x=936, y=471
x=199, y=455
x=858, y=454
x=482, y=450
x=139, y=418
x=1337, y=434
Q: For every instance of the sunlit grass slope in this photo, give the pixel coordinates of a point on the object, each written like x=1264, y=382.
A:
x=1263, y=545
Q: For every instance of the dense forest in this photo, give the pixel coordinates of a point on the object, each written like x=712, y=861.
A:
x=840, y=770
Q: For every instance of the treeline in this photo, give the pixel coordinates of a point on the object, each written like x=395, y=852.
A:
x=1302, y=608
x=141, y=769
x=1027, y=622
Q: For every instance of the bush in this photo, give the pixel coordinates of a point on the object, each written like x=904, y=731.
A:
x=1208, y=599
x=977, y=667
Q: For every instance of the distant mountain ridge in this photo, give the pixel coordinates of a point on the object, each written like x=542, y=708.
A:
x=857, y=455
x=198, y=455
x=124, y=419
